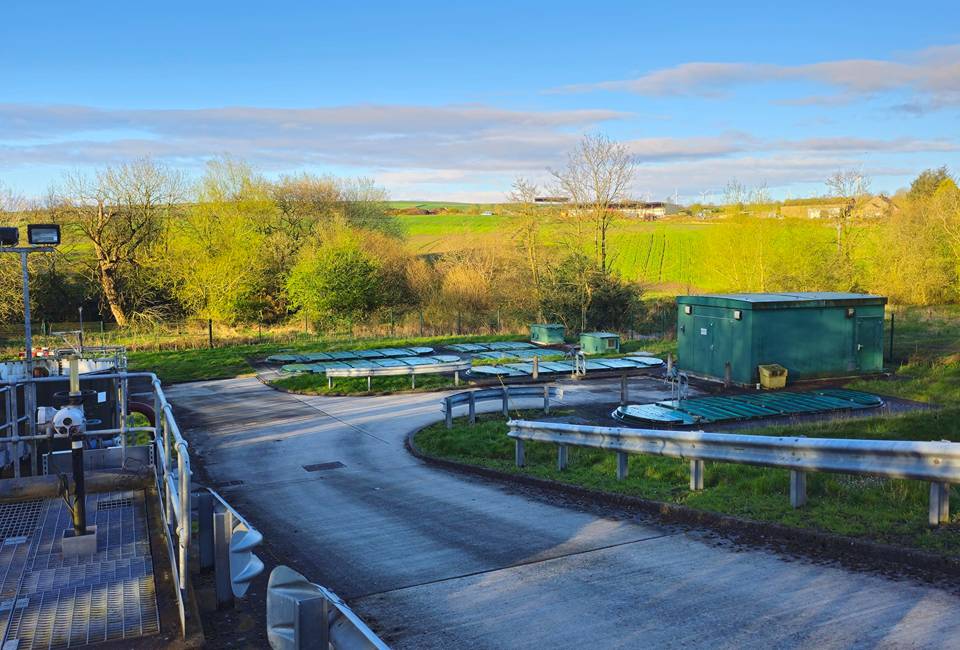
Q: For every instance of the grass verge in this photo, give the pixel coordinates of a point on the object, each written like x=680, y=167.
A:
x=316, y=384
x=882, y=510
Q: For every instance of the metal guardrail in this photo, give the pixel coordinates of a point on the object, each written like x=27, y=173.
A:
x=226, y=543
x=456, y=367
x=302, y=615
x=936, y=462
x=503, y=393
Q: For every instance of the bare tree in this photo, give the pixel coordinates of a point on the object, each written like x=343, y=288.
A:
x=529, y=225
x=121, y=211
x=849, y=186
x=597, y=175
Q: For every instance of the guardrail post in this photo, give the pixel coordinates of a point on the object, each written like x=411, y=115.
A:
x=561, y=457
x=369, y=382
x=622, y=467
x=518, y=453
x=939, y=504
x=413, y=380
x=546, y=399
x=205, y=516
x=696, y=474
x=473, y=409
x=448, y=412
x=624, y=390
x=329, y=382
x=798, y=489
x=506, y=403
x=456, y=377
x=222, y=531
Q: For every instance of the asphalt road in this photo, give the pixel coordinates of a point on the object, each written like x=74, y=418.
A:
x=432, y=559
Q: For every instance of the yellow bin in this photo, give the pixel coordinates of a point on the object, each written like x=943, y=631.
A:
x=773, y=376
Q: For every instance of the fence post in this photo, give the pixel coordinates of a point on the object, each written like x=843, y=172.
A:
x=893, y=317
x=210, y=332
x=518, y=453
x=622, y=466
x=624, y=390
x=561, y=457
x=939, y=504
x=222, y=531
x=421, y=323
x=696, y=474
x=798, y=489
x=473, y=408
x=448, y=412
x=536, y=368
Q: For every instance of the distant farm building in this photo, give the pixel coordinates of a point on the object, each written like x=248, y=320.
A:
x=873, y=207
x=646, y=210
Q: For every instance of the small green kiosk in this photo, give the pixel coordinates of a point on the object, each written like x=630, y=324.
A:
x=547, y=333
x=599, y=342
x=812, y=335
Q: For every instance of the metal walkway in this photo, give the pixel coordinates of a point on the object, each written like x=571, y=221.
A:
x=748, y=406
x=47, y=601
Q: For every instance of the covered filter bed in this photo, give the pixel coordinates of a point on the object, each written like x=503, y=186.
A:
x=492, y=346
x=546, y=367
x=345, y=355
x=750, y=406
x=323, y=366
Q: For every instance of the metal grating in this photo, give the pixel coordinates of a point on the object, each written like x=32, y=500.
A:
x=19, y=519
x=113, y=504
x=319, y=467
x=71, y=602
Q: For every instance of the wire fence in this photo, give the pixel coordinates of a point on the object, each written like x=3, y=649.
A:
x=657, y=322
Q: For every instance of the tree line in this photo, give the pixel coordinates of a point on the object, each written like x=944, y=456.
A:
x=142, y=244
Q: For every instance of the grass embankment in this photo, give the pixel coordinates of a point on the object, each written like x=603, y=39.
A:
x=173, y=366
x=889, y=511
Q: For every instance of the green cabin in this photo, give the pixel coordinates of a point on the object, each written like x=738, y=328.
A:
x=816, y=334
x=547, y=333
x=599, y=342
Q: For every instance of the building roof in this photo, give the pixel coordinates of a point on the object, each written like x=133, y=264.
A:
x=769, y=300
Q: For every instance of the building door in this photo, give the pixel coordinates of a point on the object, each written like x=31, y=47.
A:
x=869, y=344
x=704, y=346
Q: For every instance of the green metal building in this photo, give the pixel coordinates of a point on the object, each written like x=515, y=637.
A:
x=818, y=334
x=599, y=342
x=547, y=333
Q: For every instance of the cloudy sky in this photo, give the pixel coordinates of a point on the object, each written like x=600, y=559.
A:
x=453, y=100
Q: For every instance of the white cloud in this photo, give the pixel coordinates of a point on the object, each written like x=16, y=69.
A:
x=933, y=75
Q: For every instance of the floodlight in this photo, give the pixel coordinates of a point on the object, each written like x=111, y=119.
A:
x=9, y=236
x=43, y=233
x=687, y=309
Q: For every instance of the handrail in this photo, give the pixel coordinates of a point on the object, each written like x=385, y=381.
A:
x=936, y=462
x=503, y=393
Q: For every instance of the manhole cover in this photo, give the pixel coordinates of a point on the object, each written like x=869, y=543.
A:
x=19, y=519
x=319, y=467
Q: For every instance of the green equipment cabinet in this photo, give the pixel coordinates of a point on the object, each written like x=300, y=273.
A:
x=599, y=342
x=547, y=333
x=816, y=334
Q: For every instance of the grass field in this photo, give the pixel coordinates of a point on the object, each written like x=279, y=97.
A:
x=890, y=511
x=173, y=366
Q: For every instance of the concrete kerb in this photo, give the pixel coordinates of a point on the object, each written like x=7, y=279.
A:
x=856, y=554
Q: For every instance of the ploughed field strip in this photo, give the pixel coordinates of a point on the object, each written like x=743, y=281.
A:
x=48, y=601
x=323, y=366
x=750, y=406
x=348, y=355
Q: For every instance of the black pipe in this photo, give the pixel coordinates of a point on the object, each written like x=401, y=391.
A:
x=79, y=490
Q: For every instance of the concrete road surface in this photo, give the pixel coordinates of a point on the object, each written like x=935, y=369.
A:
x=432, y=559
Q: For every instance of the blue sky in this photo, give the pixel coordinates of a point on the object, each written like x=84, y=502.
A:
x=453, y=101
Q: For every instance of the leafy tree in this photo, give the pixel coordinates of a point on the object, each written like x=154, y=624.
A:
x=924, y=185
